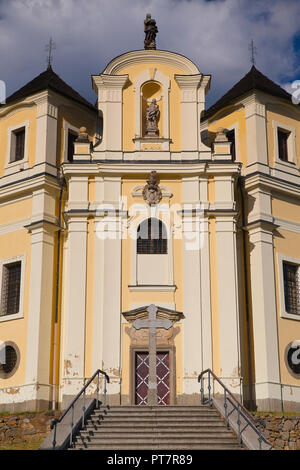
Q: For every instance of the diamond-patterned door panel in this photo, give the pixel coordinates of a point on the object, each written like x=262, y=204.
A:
x=142, y=377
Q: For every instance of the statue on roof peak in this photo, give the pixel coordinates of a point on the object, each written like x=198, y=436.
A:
x=151, y=30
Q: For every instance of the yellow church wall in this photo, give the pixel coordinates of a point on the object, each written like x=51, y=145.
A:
x=211, y=189
x=284, y=115
x=227, y=120
x=287, y=244
x=286, y=208
x=14, y=211
x=129, y=104
x=11, y=245
x=18, y=116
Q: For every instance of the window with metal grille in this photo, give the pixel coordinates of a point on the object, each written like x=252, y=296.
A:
x=71, y=139
x=9, y=361
x=291, y=288
x=152, y=237
x=283, y=144
x=231, y=137
x=11, y=280
x=19, y=137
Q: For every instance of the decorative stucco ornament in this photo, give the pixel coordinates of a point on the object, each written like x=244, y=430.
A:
x=151, y=192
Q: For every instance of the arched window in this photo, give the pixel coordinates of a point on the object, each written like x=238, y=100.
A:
x=152, y=237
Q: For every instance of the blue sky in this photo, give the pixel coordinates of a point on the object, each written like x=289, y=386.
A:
x=215, y=34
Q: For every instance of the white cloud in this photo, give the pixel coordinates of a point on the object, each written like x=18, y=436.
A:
x=89, y=33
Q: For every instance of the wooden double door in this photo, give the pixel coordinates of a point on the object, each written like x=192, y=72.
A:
x=162, y=375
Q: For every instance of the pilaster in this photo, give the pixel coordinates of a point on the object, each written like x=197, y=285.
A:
x=75, y=305
x=46, y=129
x=265, y=336
x=107, y=284
x=40, y=312
x=197, y=335
x=228, y=300
x=190, y=109
x=110, y=102
x=256, y=134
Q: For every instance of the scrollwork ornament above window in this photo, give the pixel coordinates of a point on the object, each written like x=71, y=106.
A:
x=152, y=193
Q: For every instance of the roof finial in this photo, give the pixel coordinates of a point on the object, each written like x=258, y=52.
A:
x=50, y=48
x=253, y=51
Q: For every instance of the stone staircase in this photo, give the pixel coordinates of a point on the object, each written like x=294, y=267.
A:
x=151, y=428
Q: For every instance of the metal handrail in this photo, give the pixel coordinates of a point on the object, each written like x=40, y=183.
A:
x=237, y=406
x=56, y=421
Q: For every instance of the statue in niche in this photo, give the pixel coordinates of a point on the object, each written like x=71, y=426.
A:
x=151, y=30
x=152, y=115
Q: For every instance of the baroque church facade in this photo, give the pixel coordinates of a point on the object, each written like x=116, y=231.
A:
x=148, y=198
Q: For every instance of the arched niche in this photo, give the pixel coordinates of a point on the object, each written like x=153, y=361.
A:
x=152, y=76
x=149, y=91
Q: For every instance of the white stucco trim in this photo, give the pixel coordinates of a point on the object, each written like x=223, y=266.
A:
x=13, y=166
x=292, y=156
x=152, y=288
x=152, y=56
x=3, y=262
x=281, y=258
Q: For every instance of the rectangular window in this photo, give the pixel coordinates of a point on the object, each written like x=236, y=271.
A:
x=231, y=137
x=11, y=281
x=19, y=144
x=283, y=144
x=291, y=288
x=71, y=139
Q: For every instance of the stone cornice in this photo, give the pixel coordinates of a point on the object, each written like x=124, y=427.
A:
x=272, y=183
x=44, y=223
x=121, y=168
x=153, y=56
x=188, y=81
x=28, y=185
x=114, y=82
x=261, y=224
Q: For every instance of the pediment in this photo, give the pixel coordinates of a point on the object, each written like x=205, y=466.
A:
x=162, y=314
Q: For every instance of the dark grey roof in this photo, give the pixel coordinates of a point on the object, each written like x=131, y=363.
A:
x=48, y=80
x=253, y=80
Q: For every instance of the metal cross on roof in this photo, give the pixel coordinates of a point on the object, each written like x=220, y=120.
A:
x=253, y=51
x=153, y=323
x=50, y=48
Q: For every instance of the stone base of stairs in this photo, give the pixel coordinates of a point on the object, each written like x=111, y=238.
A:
x=153, y=428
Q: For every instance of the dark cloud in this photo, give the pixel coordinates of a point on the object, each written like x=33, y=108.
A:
x=215, y=34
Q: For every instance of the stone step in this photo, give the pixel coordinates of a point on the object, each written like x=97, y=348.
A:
x=158, y=413
x=154, y=428
x=136, y=417
x=106, y=426
x=154, y=420
x=133, y=447
x=153, y=436
x=91, y=435
x=159, y=408
x=167, y=410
